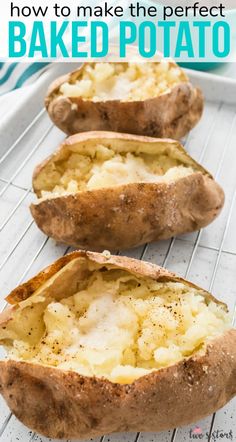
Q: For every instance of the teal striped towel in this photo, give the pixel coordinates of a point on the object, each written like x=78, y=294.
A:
x=16, y=75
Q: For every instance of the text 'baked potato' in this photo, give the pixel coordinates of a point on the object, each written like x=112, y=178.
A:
x=99, y=344
x=155, y=99
x=104, y=190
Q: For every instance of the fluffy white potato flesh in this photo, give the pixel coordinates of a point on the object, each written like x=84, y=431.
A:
x=104, y=167
x=124, y=81
x=116, y=326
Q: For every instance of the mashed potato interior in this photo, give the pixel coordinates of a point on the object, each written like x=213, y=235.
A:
x=108, y=168
x=124, y=81
x=119, y=327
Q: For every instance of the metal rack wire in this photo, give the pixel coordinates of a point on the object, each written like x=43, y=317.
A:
x=194, y=241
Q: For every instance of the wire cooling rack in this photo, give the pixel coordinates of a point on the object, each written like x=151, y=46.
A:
x=207, y=257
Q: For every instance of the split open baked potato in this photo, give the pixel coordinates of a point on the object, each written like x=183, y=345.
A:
x=99, y=344
x=155, y=99
x=105, y=190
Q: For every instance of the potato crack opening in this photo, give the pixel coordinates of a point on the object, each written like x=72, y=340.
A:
x=123, y=81
x=117, y=326
x=105, y=167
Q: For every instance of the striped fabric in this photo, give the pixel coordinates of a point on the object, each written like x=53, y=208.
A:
x=16, y=75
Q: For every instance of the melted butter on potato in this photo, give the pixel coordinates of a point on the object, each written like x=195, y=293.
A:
x=124, y=81
x=118, y=326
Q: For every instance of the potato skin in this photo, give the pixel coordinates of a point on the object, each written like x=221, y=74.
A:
x=60, y=404
x=134, y=266
x=64, y=404
x=130, y=215
x=172, y=114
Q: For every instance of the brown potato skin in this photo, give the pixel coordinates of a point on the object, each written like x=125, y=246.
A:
x=170, y=115
x=130, y=215
x=64, y=404
x=134, y=266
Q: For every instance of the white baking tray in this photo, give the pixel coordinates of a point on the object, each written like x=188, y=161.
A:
x=207, y=258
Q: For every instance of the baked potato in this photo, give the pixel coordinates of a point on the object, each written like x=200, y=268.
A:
x=104, y=190
x=99, y=344
x=155, y=99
